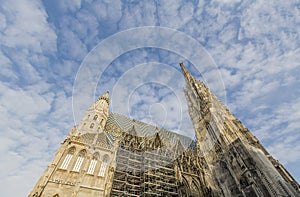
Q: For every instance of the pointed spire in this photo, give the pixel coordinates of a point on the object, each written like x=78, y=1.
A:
x=187, y=75
x=105, y=97
x=132, y=131
x=157, y=141
x=179, y=148
x=190, y=80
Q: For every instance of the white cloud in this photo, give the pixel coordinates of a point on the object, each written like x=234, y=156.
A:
x=6, y=68
x=255, y=45
x=26, y=98
x=133, y=14
x=72, y=6
x=21, y=102
x=25, y=28
x=22, y=139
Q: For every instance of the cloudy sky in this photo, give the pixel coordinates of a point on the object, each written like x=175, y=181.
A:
x=57, y=56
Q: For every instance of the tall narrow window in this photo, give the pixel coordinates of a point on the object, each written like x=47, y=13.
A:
x=92, y=166
x=66, y=162
x=102, y=169
x=101, y=122
x=78, y=164
x=79, y=161
x=68, y=158
x=95, y=117
x=103, y=165
x=211, y=132
x=92, y=125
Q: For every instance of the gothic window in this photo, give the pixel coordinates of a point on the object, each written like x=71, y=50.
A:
x=79, y=161
x=211, y=132
x=184, y=189
x=194, y=187
x=93, y=164
x=103, y=166
x=68, y=158
x=102, y=169
x=92, y=125
x=95, y=117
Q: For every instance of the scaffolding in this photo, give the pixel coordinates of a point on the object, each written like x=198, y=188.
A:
x=144, y=171
x=151, y=161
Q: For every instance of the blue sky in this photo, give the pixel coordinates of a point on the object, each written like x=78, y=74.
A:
x=56, y=56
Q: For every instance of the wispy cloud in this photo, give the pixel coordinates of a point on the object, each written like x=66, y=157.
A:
x=254, y=45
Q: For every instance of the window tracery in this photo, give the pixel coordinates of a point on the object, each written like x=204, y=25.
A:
x=93, y=164
x=68, y=158
x=79, y=161
x=103, y=165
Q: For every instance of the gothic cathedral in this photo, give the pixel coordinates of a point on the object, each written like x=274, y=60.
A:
x=112, y=155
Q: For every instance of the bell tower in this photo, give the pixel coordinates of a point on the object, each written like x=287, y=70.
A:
x=96, y=116
x=85, y=162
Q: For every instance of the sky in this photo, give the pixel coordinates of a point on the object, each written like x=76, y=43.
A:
x=57, y=56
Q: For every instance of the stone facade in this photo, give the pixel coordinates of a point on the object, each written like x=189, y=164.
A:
x=85, y=162
x=112, y=155
x=238, y=164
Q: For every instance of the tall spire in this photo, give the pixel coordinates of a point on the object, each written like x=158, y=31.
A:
x=187, y=75
x=221, y=134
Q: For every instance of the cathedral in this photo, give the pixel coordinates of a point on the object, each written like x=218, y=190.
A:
x=109, y=154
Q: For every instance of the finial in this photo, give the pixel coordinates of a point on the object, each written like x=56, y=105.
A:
x=183, y=68
x=105, y=97
x=186, y=73
x=106, y=94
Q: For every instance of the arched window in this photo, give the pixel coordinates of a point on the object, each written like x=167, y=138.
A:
x=184, y=189
x=95, y=117
x=103, y=165
x=194, y=189
x=92, y=125
x=101, y=122
x=68, y=158
x=79, y=161
x=93, y=164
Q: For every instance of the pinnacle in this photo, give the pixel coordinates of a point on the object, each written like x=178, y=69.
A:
x=105, y=97
x=187, y=75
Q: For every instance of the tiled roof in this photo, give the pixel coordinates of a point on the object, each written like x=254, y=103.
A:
x=143, y=129
x=104, y=139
